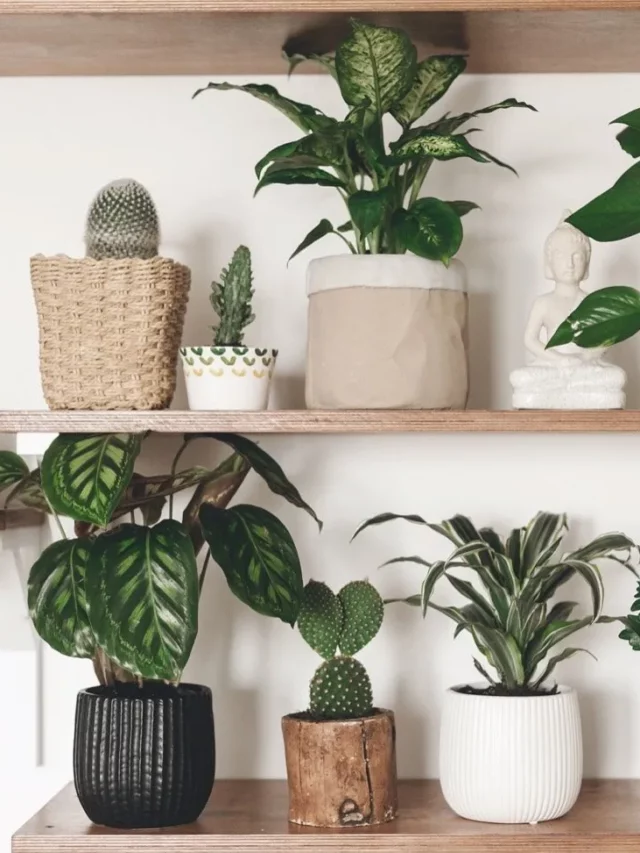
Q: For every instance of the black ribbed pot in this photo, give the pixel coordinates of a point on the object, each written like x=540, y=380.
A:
x=144, y=756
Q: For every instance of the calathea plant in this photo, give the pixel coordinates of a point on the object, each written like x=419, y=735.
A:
x=231, y=300
x=126, y=593
x=379, y=74
x=508, y=610
x=612, y=314
x=348, y=621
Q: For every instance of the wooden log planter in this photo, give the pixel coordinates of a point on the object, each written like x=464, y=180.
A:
x=341, y=772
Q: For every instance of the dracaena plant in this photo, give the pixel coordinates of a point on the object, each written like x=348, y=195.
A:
x=378, y=73
x=126, y=593
x=508, y=609
x=612, y=314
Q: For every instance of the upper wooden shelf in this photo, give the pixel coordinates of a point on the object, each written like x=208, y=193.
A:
x=243, y=817
x=306, y=421
x=226, y=37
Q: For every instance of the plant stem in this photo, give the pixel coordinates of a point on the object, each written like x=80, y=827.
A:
x=418, y=180
x=352, y=248
x=203, y=573
x=57, y=518
x=174, y=465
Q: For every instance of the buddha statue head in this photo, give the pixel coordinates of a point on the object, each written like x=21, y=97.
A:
x=567, y=253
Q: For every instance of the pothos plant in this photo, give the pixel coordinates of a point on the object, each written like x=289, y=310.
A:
x=378, y=73
x=126, y=593
x=508, y=610
x=612, y=314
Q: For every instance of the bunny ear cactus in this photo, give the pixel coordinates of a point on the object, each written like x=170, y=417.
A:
x=122, y=223
x=340, y=688
x=231, y=299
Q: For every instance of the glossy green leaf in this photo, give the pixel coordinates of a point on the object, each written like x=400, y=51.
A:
x=368, y=209
x=375, y=64
x=615, y=214
x=321, y=230
x=306, y=117
x=258, y=557
x=603, y=318
x=434, y=76
x=281, y=152
x=142, y=591
x=440, y=146
x=430, y=229
x=629, y=138
x=85, y=476
x=320, y=618
x=277, y=174
x=13, y=469
x=57, y=598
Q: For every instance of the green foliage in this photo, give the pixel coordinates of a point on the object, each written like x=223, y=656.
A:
x=12, y=468
x=340, y=690
x=363, y=611
x=603, y=318
x=320, y=619
x=377, y=71
x=631, y=631
x=508, y=610
x=122, y=223
x=231, y=300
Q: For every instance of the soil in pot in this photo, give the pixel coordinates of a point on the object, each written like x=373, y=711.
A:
x=341, y=772
x=499, y=690
x=144, y=756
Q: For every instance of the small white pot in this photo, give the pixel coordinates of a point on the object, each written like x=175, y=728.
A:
x=228, y=378
x=511, y=759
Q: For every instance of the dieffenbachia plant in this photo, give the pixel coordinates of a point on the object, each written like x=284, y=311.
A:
x=379, y=75
x=126, y=594
x=509, y=612
x=612, y=314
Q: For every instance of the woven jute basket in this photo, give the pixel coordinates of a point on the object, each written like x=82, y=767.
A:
x=110, y=330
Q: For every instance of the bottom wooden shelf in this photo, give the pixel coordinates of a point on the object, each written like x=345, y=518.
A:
x=248, y=816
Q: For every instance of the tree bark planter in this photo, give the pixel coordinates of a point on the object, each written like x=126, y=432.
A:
x=144, y=757
x=341, y=772
x=386, y=332
x=514, y=759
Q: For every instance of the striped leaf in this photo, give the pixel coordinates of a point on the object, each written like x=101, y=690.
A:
x=604, y=546
x=383, y=517
x=57, y=598
x=469, y=591
x=502, y=652
x=540, y=540
x=591, y=574
x=434, y=76
x=549, y=636
x=513, y=551
x=142, y=589
x=258, y=557
x=439, y=146
x=417, y=560
x=561, y=611
x=13, y=469
x=436, y=571
x=85, y=476
x=554, y=661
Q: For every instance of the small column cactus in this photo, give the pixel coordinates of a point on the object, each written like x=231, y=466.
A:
x=340, y=687
x=231, y=300
x=122, y=223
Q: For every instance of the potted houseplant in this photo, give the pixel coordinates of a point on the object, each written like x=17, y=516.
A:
x=611, y=314
x=111, y=323
x=340, y=753
x=125, y=594
x=387, y=322
x=230, y=375
x=511, y=746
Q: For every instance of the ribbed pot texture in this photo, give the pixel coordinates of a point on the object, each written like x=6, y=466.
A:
x=511, y=759
x=144, y=757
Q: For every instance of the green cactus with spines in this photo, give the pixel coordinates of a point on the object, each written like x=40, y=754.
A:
x=231, y=299
x=340, y=688
x=122, y=222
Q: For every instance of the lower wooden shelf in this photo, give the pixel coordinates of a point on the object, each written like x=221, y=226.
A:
x=248, y=816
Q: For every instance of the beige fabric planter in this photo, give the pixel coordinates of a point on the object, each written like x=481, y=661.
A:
x=386, y=332
x=109, y=330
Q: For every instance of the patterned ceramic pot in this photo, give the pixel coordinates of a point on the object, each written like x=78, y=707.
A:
x=511, y=759
x=228, y=378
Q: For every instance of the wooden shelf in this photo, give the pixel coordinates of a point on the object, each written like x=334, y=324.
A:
x=251, y=816
x=225, y=37
x=305, y=421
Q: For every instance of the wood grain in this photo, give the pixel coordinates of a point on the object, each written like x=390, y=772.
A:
x=13, y=519
x=201, y=43
x=243, y=817
x=305, y=421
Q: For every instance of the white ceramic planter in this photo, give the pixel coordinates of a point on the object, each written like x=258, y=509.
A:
x=228, y=378
x=511, y=759
x=386, y=332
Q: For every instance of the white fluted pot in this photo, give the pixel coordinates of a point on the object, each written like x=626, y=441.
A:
x=515, y=759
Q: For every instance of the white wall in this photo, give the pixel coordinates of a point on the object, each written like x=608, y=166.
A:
x=64, y=138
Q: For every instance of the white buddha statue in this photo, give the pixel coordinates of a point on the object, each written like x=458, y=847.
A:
x=566, y=377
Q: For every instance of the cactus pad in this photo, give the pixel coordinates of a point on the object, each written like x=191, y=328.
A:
x=320, y=618
x=363, y=610
x=231, y=299
x=340, y=689
x=122, y=223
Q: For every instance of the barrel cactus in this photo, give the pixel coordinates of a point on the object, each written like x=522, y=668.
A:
x=231, y=300
x=122, y=222
x=346, y=622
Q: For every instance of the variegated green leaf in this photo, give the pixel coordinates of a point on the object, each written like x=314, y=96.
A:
x=604, y=546
x=384, y=517
x=549, y=636
x=29, y=493
x=418, y=560
x=13, y=469
x=325, y=60
x=561, y=612
x=469, y=591
x=279, y=173
x=57, y=598
x=540, y=540
x=502, y=652
x=513, y=550
x=591, y=574
x=434, y=76
x=449, y=124
x=375, y=64
x=440, y=146
x=258, y=557
x=142, y=591
x=554, y=661
x=430, y=229
x=85, y=476
x=436, y=571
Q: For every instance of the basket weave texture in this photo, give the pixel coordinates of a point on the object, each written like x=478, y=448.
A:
x=110, y=330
